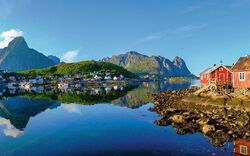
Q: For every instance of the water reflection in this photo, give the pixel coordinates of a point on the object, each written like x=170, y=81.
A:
x=241, y=147
x=89, y=128
x=9, y=129
x=18, y=105
x=142, y=94
x=15, y=113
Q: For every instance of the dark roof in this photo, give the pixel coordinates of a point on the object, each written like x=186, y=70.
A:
x=243, y=63
x=229, y=67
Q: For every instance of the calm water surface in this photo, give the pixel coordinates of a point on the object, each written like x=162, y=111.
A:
x=101, y=121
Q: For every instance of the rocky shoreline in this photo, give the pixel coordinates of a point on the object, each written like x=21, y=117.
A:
x=221, y=123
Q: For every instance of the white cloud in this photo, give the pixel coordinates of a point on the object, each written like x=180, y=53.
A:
x=154, y=36
x=188, y=28
x=70, y=56
x=10, y=130
x=192, y=9
x=8, y=36
x=183, y=30
x=72, y=108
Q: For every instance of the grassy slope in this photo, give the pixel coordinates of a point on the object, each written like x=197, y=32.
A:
x=83, y=67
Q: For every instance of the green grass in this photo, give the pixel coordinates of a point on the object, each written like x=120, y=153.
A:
x=83, y=67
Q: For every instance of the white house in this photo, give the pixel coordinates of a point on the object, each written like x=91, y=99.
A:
x=12, y=78
x=121, y=77
x=96, y=77
x=39, y=81
x=115, y=78
x=108, y=77
x=32, y=81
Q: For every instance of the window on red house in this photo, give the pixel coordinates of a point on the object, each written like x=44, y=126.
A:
x=241, y=76
x=243, y=149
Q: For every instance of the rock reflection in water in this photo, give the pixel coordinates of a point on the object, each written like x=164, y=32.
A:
x=15, y=113
x=241, y=147
x=142, y=94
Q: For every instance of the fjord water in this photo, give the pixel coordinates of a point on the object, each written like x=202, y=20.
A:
x=121, y=124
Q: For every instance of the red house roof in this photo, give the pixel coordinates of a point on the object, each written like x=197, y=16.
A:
x=243, y=63
x=210, y=70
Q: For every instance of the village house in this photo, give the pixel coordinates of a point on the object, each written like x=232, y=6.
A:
x=37, y=80
x=115, y=78
x=241, y=73
x=121, y=77
x=108, y=77
x=12, y=78
x=219, y=75
x=97, y=77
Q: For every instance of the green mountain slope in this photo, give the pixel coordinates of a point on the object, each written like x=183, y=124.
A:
x=83, y=67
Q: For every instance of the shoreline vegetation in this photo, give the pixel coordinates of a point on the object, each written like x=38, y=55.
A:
x=220, y=118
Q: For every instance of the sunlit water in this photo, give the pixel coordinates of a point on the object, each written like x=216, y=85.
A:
x=122, y=126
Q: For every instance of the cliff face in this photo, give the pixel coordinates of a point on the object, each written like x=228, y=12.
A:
x=152, y=65
x=18, y=56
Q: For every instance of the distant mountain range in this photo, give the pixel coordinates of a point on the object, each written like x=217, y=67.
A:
x=151, y=65
x=18, y=56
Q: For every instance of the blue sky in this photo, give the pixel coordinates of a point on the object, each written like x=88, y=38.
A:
x=202, y=32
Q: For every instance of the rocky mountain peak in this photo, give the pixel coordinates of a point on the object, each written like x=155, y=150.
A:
x=179, y=62
x=134, y=53
x=156, y=65
x=18, y=56
x=18, y=42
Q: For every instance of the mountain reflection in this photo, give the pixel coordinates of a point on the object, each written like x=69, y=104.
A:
x=142, y=94
x=241, y=147
x=17, y=106
x=15, y=113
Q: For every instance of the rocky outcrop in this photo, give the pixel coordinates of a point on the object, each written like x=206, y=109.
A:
x=18, y=56
x=219, y=123
x=151, y=65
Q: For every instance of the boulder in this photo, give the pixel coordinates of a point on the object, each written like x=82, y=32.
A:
x=208, y=128
x=203, y=122
x=178, y=119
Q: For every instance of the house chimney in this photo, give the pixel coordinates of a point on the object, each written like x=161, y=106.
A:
x=214, y=65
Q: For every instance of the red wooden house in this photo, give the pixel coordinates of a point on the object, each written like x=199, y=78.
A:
x=241, y=73
x=241, y=147
x=220, y=75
